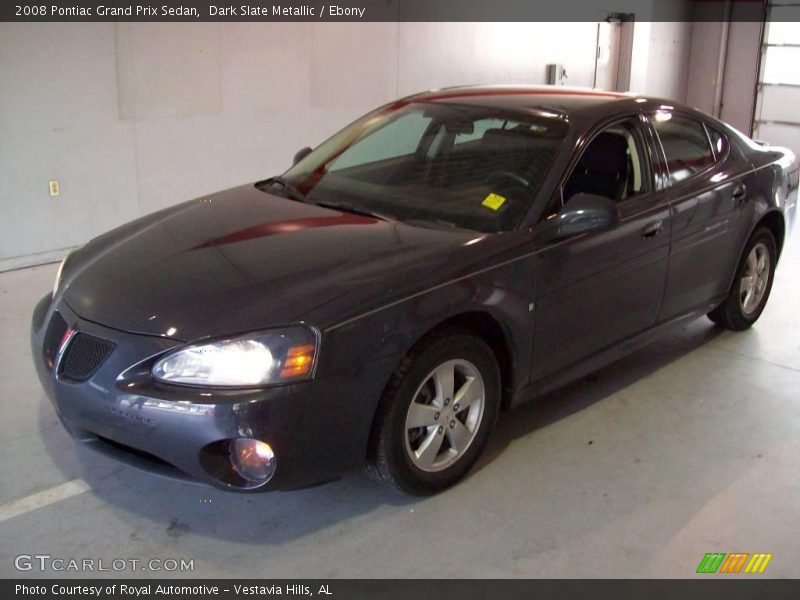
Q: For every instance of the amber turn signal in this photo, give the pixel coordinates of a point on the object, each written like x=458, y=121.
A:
x=299, y=361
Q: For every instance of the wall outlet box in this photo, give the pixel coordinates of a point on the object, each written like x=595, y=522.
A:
x=55, y=188
x=556, y=74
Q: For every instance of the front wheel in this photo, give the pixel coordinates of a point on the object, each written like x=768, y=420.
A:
x=752, y=284
x=436, y=414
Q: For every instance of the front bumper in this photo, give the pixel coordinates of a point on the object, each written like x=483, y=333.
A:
x=317, y=429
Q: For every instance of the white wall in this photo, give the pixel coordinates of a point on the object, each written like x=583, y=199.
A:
x=739, y=75
x=135, y=117
x=436, y=55
x=702, y=78
x=660, y=56
x=668, y=59
x=59, y=118
x=741, y=70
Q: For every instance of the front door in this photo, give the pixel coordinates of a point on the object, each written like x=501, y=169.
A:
x=596, y=289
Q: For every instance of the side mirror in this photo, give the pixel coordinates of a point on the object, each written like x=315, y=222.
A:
x=583, y=213
x=301, y=154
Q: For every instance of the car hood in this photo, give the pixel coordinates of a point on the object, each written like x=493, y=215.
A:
x=237, y=261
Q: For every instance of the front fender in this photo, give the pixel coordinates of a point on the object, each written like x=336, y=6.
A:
x=369, y=346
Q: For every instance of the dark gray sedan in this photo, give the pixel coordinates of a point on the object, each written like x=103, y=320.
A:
x=448, y=254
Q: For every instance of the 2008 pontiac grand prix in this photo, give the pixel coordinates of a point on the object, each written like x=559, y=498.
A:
x=444, y=256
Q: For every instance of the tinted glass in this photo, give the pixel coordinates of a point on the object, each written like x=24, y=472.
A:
x=399, y=138
x=614, y=165
x=434, y=165
x=685, y=144
x=718, y=141
x=480, y=128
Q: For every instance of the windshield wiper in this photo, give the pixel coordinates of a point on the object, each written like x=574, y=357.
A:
x=295, y=194
x=351, y=208
x=291, y=189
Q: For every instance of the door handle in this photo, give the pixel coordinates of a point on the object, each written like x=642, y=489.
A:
x=739, y=192
x=653, y=229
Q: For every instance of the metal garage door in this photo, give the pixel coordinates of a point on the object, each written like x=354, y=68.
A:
x=777, y=114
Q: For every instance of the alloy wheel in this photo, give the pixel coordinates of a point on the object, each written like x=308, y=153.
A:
x=444, y=415
x=755, y=278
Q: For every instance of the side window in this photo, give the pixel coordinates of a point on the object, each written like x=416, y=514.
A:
x=718, y=141
x=613, y=165
x=398, y=138
x=685, y=144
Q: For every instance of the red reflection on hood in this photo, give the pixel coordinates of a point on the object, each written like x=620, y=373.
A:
x=290, y=226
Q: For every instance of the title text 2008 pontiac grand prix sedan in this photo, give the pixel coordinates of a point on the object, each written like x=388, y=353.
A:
x=448, y=254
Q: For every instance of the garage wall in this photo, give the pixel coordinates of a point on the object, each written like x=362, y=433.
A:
x=739, y=74
x=668, y=59
x=59, y=119
x=442, y=54
x=741, y=71
x=131, y=118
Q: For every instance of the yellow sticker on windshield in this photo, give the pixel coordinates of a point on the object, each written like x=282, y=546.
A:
x=493, y=201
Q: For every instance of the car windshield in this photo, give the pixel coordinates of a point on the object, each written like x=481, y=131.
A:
x=442, y=165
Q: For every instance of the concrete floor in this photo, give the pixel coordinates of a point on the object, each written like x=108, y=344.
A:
x=690, y=446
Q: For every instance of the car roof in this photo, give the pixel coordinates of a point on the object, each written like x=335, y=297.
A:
x=562, y=99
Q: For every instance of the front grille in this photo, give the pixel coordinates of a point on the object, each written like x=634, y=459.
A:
x=84, y=355
x=53, y=338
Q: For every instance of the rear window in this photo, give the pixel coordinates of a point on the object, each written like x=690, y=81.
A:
x=685, y=144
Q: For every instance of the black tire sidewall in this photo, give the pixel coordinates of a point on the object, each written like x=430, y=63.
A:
x=402, y=470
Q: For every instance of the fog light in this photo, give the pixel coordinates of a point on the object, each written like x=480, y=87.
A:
x=253, y=460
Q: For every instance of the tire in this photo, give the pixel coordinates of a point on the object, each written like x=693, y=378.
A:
x=744, y=303
x=408, y=457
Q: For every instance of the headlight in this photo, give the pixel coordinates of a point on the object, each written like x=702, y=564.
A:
x=256, y=359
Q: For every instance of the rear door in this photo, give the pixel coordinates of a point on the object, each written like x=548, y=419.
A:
x=705, y=192
x=596, y=289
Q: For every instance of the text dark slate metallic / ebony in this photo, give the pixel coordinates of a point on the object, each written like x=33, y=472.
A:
x=446, y=255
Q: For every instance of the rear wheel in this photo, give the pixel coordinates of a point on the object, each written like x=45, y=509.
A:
x=752, y=284
x=436, y=414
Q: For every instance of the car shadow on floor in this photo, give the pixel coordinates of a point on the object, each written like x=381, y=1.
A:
x=155, y=507
x=596, y=387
